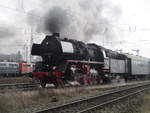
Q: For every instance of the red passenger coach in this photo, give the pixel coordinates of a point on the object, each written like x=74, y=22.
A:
x=26, y=68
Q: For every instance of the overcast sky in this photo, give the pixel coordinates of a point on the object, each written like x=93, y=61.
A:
x=128, y=21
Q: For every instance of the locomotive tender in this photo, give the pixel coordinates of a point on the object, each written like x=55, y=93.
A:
x=66, y=53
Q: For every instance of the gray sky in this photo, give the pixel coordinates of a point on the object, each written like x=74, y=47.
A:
x=116, y=24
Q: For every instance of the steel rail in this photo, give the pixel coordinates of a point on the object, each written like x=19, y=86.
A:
x=102, y=97
x=17, y=86
x=112, y=101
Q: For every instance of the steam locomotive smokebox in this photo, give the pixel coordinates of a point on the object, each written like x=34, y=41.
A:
x=36, y=49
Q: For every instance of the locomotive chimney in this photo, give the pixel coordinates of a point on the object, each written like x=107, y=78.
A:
x=56, y=34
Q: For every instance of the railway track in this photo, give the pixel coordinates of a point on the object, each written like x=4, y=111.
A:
x=12, y=80
x=113, y=101
x=92, y=103
x=33, y=86
x=23, y=86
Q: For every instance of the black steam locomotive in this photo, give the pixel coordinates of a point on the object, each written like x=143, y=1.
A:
x=85, y=63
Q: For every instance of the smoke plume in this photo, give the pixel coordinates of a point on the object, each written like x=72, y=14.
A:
x=79, y=19
x=56, y=20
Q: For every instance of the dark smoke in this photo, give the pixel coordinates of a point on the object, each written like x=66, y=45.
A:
x=79, y=19
x=56, y=20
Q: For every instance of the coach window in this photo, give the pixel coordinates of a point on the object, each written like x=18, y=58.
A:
x=11, y=64
x=28, y=65
x=2, y=64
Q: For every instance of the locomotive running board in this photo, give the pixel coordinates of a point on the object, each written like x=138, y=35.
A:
x=86, y=62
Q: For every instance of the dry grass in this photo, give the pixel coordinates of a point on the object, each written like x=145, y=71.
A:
x=18, y=101
x=28, y=101
x=130, y=106
x=138, y=104
x=145, y=106
x=12, y=80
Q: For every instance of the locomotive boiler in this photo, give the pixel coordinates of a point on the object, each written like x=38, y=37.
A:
x=54, y=50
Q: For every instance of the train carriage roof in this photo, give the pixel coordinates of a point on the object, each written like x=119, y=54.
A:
x=137, y=57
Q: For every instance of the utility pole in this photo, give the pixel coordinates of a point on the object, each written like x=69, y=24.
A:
x=24, y=48
x=20, y=5
x=103, y=41
x=31, y=42
x=105, y=31
x=26, y=54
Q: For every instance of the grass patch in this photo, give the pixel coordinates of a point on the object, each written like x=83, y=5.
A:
x=137, y=104
x=22, y=101
x=145, y=106
x=18, y=101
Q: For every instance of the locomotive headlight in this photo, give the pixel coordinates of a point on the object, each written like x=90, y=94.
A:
x=47, y=43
